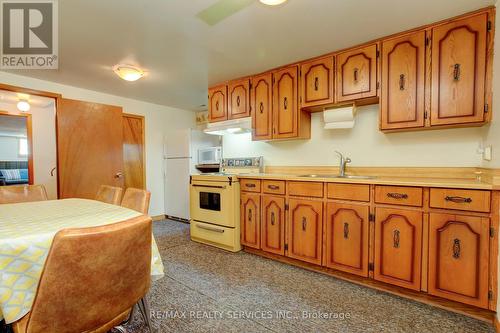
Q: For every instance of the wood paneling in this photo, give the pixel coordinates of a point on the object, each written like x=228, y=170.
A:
x=317, y=82
x=305, y=189
x=458, y=258
x=239, y=99
x=273, y=224
x=346, y=239
x=403, y=82
x=250, y=220
x=273, y=186
x=357, y=73
x=250, y=185
x=217, y=103
x=471, y=200
x=398, y=247
x=459, y=71
x=286, y=103
x=262, y=105
x=90, y=147
x=399, y=195
x=133, y=151
x=354, y=192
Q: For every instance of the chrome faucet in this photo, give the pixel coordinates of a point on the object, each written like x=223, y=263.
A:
x=343, y=163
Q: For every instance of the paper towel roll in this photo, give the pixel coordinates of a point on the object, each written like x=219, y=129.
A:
x=339, y=118
x=340, y=124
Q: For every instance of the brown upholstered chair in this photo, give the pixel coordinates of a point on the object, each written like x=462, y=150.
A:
x=109, y=194
x=22, y=193
x=92, y=278
x=136, y=199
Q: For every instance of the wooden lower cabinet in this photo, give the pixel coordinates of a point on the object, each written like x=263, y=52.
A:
x=458, y=258
x=347, y=228
x=305, y=230
x=250, y=220
x=398, y=247
x=273, y=224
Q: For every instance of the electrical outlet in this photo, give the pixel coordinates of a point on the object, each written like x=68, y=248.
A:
x=487, y=153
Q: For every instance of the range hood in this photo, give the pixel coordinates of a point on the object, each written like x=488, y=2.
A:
x=234, y=126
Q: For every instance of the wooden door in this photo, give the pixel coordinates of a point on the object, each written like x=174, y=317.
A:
x=304, y=230
x=89, y=147
x=317, y=82
x=346, y=239
x=262, y=105
x=134, y=172
x=273, y=224
x=458, y=258
x=217, y=103
x=403, y=82
x=285, y=106
x=239, y=99
x=250, y=220
x=357, y=73
x=398, y=247
x=459, y=71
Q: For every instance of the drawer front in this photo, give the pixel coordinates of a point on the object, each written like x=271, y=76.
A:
x=273, y=186
x=471, y=200
x=223, y=237
x=305, y=189
x=250, y=185
x=399, y=195
x=357, y=192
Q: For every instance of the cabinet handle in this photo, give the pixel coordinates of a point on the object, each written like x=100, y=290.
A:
x=285, y=103
x=261, y=107
x=356, y=74
x=272, y=218
x=402, y=82
x=456, y=248
x=273, y=187
x=217, y=105
x=458, y=199
x=238, y=101
x=304, y=223
x=346, y=230
x=396, y=238
x=250, y=215
x=397, y=195
x=249, y=185
x=456, y=72
x=316, y=83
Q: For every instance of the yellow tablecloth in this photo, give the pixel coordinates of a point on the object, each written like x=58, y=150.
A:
x=26, y=234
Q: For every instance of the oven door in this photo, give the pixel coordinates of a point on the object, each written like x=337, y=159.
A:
x=213, y=202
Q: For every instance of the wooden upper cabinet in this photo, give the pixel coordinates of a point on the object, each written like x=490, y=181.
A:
x=317, y=82
x=357, y=73
x=398, y=247
x=347, y=228
x=305, y=230
x=459, y=71
x=285, y=105
x=239, y=99
x=250, y=220
x=217, y=103
x=403, y=82
x=261, y=102
x=273, y=224
x=458, y=258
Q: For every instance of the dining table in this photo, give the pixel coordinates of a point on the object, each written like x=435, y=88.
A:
x=26, y=233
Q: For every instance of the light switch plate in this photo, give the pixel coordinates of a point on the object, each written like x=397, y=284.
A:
x=487, y=153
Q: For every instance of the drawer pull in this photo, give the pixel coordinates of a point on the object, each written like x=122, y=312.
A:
x=458, y=199
x=456, y=72
x=456, y=248
x=261, y=107
x=355, y=72
x=396, y=238
x=250, y=185
x=238, y=101
x=304, y=223
x=273, y=187
x=316, y=83
x=346, y=230
x=221, y=231
x=250, y=215
x=217, y=105
x=402, y=82
x=272, y=218
x=285, y=103
x=397, y=195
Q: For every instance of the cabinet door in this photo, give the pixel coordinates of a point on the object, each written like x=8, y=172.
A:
x=357, y=74
x=398, y=247
x=262, y=106
x=239, y=99
x=403, y=82
x=458, y=258
x=285, y=106
x=273, y=224
x=305, y=230
x=250, y=220
x=459, y=71
x=347, y=238
x=317, y=82
x=217, y=103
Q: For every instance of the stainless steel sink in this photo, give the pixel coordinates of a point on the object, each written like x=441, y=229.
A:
x=337, y=176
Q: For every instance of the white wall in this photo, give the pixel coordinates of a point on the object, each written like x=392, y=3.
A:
x=159, y=120
x=9, y=149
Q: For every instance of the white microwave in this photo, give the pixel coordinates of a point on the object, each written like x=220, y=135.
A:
x=210, y=155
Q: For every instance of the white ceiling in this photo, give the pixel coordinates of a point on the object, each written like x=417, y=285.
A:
x=11, y=98
x=183, y=55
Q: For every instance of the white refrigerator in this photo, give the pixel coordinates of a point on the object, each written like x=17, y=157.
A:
x=180, y=155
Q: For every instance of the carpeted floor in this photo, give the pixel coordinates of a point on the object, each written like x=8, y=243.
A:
x=210, y=290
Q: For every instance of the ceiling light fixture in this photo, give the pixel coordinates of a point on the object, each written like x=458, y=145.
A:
x=272, y=2
x=23, y=105
x=128, y=72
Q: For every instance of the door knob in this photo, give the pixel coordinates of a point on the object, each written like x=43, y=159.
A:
x=118, y=175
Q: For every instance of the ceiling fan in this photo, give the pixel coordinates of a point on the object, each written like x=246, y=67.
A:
x=225, y=8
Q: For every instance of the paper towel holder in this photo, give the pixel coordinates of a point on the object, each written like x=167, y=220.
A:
x=339, y=116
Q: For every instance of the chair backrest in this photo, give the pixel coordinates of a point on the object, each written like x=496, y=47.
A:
x=109, y=194
x=136, y=199
x=22, y=193
x=91, y=276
